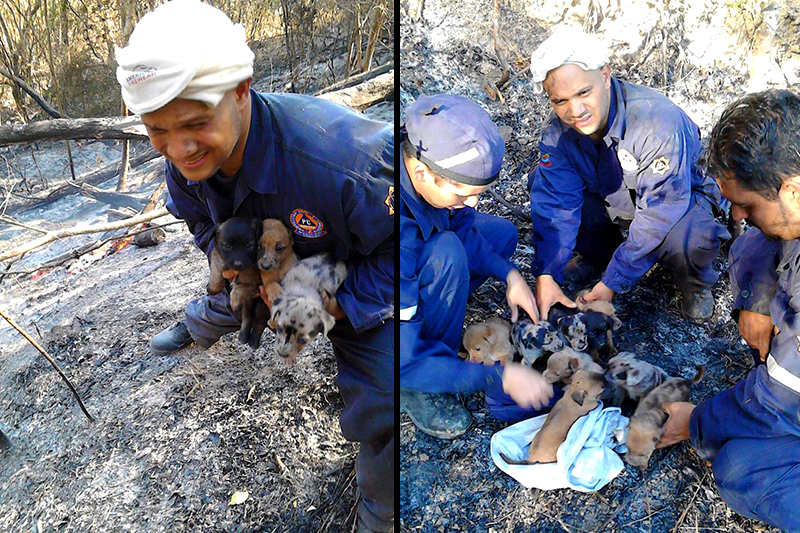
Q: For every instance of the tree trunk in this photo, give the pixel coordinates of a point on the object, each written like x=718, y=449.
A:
x=74, y=128
x=365, y=94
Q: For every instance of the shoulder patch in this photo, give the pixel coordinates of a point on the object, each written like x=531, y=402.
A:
x=545, y=160
x=306, y=224
x=390, y=200
x=660, y=166
x=627, y=161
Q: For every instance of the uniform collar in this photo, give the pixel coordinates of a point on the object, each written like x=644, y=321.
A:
x=789, y=252
x=258, y=171
x=425, y=214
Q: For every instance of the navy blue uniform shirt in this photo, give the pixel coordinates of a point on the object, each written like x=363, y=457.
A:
x=645, y=167
x=327, y=173
x=426, y=363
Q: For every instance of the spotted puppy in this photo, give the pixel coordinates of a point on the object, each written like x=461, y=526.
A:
x=634, y=376
x=533, y=341
x=298, y=308
x=580, y=399
x=488, y=342
x=235, y=243
x=563, y=364
x=646, y=426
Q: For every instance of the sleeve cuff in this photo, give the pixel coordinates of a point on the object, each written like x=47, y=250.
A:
x=617, y=282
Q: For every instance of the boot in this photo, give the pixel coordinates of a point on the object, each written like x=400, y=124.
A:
x=577, y=271
x=171, y=340
x=697, y=305
x=438, y=415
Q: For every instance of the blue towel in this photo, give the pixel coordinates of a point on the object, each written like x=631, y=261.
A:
x=587, y=459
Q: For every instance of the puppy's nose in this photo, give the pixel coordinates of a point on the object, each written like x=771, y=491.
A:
x=237, y=265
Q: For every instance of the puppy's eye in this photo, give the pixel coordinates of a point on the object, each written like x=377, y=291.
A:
x=478, y=349
x=280, y=248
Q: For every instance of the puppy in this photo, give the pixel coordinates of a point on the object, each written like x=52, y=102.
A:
x=563, y=364
x=275, y=255
x=532, y=341
x=636, y=377
x=235, y=243
x=488, y=342
x=580, y=398
x=588, y=331
x=298, y=308
x=646, y=426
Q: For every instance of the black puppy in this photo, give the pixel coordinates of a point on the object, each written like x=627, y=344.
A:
x=235, y=246
x=584, y=331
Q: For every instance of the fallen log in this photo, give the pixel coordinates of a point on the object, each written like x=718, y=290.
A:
x=63, y=129
x=363, y=95
x=51, y=236
x=92, y=178
x=357, y=79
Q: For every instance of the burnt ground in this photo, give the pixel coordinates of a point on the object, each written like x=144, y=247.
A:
x=176, y=436
x=453, y=485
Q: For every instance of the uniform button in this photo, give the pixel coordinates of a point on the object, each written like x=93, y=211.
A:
x=745, y=294
x=624, y=286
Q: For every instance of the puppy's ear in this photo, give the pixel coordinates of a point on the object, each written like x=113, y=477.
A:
x=271, y=323
x=258, y=227
x=578, y=397
x=573, y=364
x=490, y=338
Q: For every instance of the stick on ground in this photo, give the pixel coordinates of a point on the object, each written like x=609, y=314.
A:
x=50, y=360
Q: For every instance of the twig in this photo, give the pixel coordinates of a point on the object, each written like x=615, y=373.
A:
x=688, y=505
x=9, y=220
x=517, y=212
x=81, y=230
x=50, y=360
x=649, y=515
x=74, y=254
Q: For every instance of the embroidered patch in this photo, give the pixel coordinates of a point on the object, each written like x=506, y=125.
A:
x=545, y=160
x=627, y=161
x=660, y=166
x=390, y=200
x=306, y=224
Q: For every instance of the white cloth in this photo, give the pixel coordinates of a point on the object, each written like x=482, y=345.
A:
x=586, y=461
x=182, y=49
x=567, y=45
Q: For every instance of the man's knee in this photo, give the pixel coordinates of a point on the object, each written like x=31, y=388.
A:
x=500, y=233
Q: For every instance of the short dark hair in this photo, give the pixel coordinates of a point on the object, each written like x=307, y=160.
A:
x=757, y=142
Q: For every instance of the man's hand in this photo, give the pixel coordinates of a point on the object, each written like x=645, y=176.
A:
x=519, y=294
x=547, y=293
x=526, y=386
x=332, y=306
x=599, y=292
x=756, y=330
x=676, y=428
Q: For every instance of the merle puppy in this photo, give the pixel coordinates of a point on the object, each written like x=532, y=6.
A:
x=533, y=341
x=298, y=303
x=585, y=331
x=235, y=245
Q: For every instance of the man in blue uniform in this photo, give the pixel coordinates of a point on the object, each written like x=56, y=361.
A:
x=617, y=155
x=322, y=169
x=452, y=152
x=751, y=431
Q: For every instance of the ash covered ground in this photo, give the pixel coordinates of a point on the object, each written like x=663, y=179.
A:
x=449, y=47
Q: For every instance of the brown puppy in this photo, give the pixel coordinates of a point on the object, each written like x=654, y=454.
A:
x=580, y=399
x=489, y=342
x=275, y=255
x=235, y=243
x=564, y=363
x=646, y=426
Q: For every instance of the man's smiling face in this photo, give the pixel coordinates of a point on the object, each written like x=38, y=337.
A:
x=198, y=139
x=580, y=98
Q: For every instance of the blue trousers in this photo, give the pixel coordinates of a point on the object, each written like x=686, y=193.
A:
x=365, y=379
x=751, y=433
x=446, y=281
x=688, y=250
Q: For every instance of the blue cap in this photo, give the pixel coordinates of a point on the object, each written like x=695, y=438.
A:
x=455, y=138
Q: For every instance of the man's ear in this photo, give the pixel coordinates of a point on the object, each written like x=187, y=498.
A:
x=605, y=72
x=243, y=89
x=790, y=192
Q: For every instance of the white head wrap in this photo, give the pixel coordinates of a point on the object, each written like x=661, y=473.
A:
x=567, y=45
x=182, y=49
